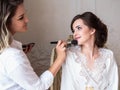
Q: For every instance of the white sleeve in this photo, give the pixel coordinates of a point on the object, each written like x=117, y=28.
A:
x=113, y=75
x=21, y=72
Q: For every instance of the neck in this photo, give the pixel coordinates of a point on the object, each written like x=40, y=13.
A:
x=91, y=53
x=90, y=50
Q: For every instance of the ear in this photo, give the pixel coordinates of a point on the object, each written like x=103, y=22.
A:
x=92, y=31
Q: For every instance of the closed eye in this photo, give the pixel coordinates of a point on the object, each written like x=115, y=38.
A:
x=21, y=18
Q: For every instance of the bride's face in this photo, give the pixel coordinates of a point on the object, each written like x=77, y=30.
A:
x=82, y=33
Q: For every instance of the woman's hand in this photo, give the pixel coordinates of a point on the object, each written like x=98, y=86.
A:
x=61, y=56
x=61, y=50
x=28, y=47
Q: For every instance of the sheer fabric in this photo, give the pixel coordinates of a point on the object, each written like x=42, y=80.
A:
x=77, y=76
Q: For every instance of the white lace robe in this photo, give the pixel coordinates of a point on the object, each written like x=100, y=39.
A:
x=77, y=76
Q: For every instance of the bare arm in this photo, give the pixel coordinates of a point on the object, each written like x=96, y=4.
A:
x=61, y=55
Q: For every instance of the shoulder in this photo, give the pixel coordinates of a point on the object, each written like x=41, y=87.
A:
x=11, y=58
x=72, y=54
x=10, y=51
x=74, y=49
x=13, y=55
x=108, y=56
x=110, y=59
x=106, y=52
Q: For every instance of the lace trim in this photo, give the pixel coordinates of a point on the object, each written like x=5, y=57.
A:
x=99, y=66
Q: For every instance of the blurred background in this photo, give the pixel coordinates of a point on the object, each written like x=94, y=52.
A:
x=49, y=20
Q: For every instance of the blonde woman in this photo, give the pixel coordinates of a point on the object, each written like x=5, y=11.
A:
x=16, y=72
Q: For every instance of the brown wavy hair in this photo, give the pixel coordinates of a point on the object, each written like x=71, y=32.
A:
x=92, y=21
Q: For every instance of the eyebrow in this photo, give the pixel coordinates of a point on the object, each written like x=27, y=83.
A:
x=77, y=26
x=20, y=15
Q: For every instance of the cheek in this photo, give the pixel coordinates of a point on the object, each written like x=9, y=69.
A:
x=86, y=33
x=12, y=28
x=15, y=27
x=84, y=38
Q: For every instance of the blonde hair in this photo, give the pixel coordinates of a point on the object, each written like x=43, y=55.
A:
x=5, y=35
x=7, y=11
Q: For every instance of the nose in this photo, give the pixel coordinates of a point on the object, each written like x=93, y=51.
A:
x=26, y=19
x=74, y=33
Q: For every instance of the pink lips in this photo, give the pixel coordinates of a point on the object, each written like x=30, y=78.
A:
x=76, y=38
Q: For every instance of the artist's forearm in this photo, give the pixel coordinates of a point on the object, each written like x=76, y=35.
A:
x=56, y=66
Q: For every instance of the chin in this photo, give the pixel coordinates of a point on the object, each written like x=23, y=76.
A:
x=24, y=30
x=79, y=44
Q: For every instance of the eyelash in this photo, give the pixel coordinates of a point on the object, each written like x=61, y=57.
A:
x=78, y=28
x=21, y=18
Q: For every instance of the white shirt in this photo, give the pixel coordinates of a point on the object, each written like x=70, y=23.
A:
x=77, y=76
x=16, y=72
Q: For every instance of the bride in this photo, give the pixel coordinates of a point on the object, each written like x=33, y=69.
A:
x=89, y=66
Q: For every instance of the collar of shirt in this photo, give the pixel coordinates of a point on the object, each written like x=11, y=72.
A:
x=16, y=44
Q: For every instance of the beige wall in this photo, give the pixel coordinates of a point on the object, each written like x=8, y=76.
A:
x=50, y=20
